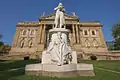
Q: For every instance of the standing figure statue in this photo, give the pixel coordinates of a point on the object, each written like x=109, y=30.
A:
x=59, y=18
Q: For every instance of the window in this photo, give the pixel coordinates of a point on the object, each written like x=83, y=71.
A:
x=93, y=32
x=32, y=32
x=85, y=32
x=24, y=32
x=95, y=43
x=87, y=43
x=22, y=44
x=30, y=45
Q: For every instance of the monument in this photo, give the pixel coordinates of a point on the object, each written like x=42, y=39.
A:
x=58, y=60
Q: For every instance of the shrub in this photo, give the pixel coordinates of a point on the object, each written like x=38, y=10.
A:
x=93, y=57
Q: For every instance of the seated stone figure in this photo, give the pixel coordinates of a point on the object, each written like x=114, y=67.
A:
x=59, y=49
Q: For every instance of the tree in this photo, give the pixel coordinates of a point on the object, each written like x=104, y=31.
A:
x=4, y=48
x=116, y=35
x=1, y=43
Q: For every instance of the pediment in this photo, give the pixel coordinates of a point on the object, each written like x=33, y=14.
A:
x=52, y=17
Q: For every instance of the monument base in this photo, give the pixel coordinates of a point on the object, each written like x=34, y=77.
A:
x=68, y=70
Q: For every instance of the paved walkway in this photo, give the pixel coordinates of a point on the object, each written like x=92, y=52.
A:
x=95, y=67
x=14, y=69
x=108, y=70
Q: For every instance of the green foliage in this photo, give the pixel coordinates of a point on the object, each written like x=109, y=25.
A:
x=110, y=48
x=1, y=43
x=116, y=35
x=5, y=48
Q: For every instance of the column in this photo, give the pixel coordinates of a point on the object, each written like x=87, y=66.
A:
x=53, y=25
x=43, y=34
x=77, y=34
x=40, y=34
x=73, y=30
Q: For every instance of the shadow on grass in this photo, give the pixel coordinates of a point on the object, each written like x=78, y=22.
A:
x=6, y=75
x=9, y=69
x=7, y=65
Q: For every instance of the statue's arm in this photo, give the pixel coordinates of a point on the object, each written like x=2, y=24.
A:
x=55, y=8
x=63, y=9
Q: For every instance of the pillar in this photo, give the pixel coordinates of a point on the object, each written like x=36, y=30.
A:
x=77, y=34
x=40, y=34
x=43, y=34
x=73, y=30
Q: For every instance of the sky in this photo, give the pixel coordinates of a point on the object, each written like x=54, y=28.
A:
x=13, y=11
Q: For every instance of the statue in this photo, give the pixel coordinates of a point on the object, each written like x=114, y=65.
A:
x=58, y=60
x=59, y=18
x=59, y=49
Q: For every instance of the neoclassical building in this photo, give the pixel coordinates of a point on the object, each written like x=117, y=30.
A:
x=31, y=38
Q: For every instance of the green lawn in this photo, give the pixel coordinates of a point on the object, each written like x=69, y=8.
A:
x=14, y=70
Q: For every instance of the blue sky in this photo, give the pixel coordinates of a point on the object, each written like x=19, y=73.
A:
x=13, y=11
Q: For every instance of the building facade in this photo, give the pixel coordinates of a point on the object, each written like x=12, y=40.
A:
x=32, y=38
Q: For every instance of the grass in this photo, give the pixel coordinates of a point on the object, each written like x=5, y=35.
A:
x=14, y=70
x=111, y=65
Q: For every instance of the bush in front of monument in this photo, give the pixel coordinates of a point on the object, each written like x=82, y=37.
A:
x=93, y=57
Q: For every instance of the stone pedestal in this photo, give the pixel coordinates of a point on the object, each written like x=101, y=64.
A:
x=69, y=70
x=48, y=67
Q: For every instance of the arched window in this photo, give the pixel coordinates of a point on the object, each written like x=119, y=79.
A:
x=22, y=44
x=24, y=32
x=32, y=32
x=95, y=43
x=30, y=44
x=87, y=43
x=93, y=32
x=85, y=32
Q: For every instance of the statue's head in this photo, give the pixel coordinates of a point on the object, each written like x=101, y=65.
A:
x=60, y=4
